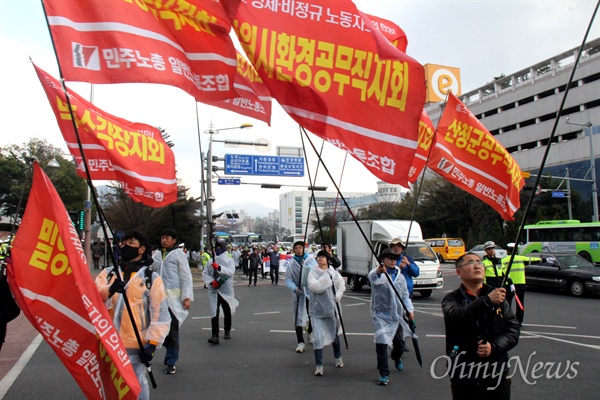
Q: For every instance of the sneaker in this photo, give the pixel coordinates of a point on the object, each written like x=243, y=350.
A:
x=339, y=363
x=311, y=338
x=170, y=370
x=227, y=335
x=383, y=380
x=300, y=347
x=319, y=370
x=399, y=365
x=214, y=340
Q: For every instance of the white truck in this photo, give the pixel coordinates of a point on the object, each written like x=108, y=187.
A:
x=358, y=259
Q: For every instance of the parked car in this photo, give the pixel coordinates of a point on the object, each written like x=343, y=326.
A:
x=500, y=252
x=569, y=272
x=447, y=248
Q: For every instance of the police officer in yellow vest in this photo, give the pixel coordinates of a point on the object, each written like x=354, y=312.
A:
x=494, y=271
x=516, y=276
x=204, y=259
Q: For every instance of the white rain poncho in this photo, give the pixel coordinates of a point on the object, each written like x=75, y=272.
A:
x=226, y=289
x=292, y=278
x=323, y=311
x=176, y=274
x=386, y=309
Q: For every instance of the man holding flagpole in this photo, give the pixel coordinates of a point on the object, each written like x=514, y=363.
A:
x=145, y=291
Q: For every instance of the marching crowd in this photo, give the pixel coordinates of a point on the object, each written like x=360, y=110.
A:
x=156, y=286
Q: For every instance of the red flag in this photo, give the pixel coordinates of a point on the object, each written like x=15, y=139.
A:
x=254, y=99
x=51, y=282
x=467, y=155
x=390, y=31
x=426, y=131
x=115, y=149
x=321, y=62
x=185, y=44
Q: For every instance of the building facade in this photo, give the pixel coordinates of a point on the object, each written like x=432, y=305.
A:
x=520, y=110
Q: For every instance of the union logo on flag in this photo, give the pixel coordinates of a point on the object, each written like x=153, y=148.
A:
x=446, y=165
x=87, y=57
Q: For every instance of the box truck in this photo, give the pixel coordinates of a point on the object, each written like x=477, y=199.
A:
x=358, y=259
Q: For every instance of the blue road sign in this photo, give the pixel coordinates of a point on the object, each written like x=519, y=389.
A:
x=245, y=164
x=229, y=181
x=238, y=164
x=558, y=195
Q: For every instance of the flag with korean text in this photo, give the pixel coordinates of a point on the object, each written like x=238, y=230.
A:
x=115, y=149
x=50, y=280
x=426, y=137
x=320, y=61
x=254, y=99
x=390, y=31
x=467, y=155
x=185, y=44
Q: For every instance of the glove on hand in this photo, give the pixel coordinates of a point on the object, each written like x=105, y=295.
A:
x=147, y=354
x=216, y=266
x=118, y=286
x=215, y=284
x=298, y=291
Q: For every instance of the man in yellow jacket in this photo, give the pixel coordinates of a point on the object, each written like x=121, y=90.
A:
x=516, y=276
x=146, y=294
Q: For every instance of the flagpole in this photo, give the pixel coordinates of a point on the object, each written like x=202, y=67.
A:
x=94, y=194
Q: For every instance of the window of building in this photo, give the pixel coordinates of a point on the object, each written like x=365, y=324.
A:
x=526, y=100
x=527, y=123
x=591, y=78
x=491, y=112
x=545, y=94
x=548, y=117
x=530, y=145
x=509, y=128
x=507, y=106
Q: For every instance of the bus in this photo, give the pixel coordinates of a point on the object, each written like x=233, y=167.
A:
x=563, y=236
x=247, y=239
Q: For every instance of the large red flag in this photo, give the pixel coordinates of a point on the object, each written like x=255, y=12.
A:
x=321, y=62
x=426, y=131
x=466, y=154
x=179, y=43
x=115, y=149
x=51, y=282
x=254, y=99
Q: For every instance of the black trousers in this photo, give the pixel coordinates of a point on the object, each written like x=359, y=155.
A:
x=274, y=274
x=252, y=272
x=226, y=315
x=468, y=390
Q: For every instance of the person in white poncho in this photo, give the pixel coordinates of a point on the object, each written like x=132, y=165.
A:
x=387, y=313
x=171, y=263
x=326, y=287
x=218, y=276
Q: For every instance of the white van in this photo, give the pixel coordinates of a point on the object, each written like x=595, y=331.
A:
x=358, y=259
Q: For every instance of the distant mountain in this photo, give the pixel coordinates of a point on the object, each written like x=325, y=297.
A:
x=253, y=210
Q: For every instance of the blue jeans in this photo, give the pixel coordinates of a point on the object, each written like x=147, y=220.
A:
x=171, y=342
x=337, y=351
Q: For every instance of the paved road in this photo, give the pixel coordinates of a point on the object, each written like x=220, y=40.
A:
x=259, y=361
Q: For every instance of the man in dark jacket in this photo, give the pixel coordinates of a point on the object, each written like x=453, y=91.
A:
x=480, y=330
x=255, y=263
x=274, y=261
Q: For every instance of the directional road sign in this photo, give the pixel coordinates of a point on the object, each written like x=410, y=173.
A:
x=558, y=194
x=245, y=164
x=229, y=181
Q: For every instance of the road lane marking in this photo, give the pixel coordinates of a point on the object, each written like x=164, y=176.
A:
x=563, y=334
x=267, y=312
x=19, y=366
x=590, y=346
x=347, y=333
x=355, y=304
x=552, y=326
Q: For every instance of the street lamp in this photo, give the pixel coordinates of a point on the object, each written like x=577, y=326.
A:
x=209, y=169
x=592, y=168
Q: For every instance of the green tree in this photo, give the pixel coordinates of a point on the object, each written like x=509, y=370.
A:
x=14, y=166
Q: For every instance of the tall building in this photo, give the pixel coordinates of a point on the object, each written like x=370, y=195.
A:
x=294, y=208
x=520, y=110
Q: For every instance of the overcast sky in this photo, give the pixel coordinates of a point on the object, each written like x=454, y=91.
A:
x=482, y=38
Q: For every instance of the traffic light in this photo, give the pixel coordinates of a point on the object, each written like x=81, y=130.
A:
x=74, y=215
x=81, y=222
